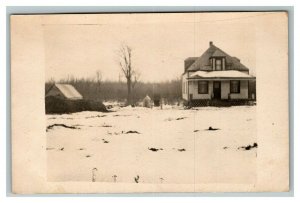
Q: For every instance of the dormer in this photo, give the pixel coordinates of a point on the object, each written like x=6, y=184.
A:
x=217, y=59
x=218, y=63
x=213, y=59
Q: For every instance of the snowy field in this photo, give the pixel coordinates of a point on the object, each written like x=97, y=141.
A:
x=144, y=145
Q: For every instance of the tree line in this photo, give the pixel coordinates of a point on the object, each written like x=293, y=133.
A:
x=98, y=90
x=131, y=91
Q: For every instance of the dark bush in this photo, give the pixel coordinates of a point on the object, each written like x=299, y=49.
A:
x=56, y=105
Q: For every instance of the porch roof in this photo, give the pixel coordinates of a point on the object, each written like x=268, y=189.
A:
x=225, y=75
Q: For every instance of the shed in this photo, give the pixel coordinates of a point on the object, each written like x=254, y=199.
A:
x=65, y=91
x=147, y=102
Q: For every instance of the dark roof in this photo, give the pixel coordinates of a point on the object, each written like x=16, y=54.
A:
x=189, y=61
x=203, y=62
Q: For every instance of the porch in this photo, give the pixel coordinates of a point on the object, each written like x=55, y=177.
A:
x=219, y=88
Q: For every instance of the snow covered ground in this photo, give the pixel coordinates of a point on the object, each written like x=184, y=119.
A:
x=143, y=145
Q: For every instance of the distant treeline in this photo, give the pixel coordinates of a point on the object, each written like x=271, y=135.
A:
x=117, y=91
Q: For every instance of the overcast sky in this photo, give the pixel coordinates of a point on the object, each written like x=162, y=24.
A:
x=160, y=43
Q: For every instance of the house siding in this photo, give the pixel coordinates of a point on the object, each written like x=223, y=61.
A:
x=193, y=89
x=243, y=91
x=184, y=86
x=225, y=88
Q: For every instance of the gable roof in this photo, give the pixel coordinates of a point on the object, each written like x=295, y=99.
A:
x=67, y=90
x=203, y=62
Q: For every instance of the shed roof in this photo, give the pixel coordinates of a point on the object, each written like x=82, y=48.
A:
x=68, y=91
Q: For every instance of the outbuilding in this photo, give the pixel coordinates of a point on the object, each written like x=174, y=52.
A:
x=64, y=91
x=147, y=102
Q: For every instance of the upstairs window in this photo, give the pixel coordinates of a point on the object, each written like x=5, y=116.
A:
x=202, y=87
x=218, y=64
x=234, y=86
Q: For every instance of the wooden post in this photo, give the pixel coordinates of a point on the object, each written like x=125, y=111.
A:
x=94, y=174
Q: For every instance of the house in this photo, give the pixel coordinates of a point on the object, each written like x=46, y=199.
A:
x=215, y=78
x=64, y=91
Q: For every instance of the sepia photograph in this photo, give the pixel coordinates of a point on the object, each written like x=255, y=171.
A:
x=167, y=100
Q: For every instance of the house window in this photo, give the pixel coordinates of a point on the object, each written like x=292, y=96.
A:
x=218, y=64
x=234, y=86
x=202, y=87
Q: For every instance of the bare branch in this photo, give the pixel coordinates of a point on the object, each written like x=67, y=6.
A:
x=125, y=56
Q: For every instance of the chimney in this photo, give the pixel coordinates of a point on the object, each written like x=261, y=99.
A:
x=210, y=43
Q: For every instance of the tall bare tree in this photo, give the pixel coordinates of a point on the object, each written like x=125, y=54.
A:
x=125, y=56
x=98, y=81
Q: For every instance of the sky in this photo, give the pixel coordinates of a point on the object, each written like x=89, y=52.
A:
x=84, y=44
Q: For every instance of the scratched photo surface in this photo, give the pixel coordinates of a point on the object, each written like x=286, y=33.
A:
x=161, y=99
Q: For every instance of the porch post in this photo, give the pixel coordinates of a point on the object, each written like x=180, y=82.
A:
x=188, y=91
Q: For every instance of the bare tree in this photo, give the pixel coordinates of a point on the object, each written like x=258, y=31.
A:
x=125, y=56
x=98, y=81
x=136, y=79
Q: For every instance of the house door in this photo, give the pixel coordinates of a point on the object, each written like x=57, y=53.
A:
x=217, y=90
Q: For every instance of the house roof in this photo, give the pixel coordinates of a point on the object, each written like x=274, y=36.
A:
x=229, y=74
x=219, y=53
x=68, y=91
x=203, y=62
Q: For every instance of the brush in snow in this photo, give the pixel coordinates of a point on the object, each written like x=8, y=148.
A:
x=132, y=131
x=115, y=178
x=98, y=116
x=105, y=141
x=60, y=125
x=180, y=118
x=155, y=149
x=50, y=148
x=211, y=128
x=248, y=147
x=136, y=179
x=106, y=126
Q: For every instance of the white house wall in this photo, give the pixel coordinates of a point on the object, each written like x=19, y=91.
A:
x=184, y=87
x=225, y=90
x=193, y=89
x=243, y=91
